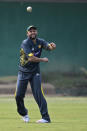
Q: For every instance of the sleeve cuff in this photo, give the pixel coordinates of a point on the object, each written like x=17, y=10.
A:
x=30, y=54
x=49, y=45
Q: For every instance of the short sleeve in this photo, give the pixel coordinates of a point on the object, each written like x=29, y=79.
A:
x=45, y=44
x=25, y=50
x=25, y=53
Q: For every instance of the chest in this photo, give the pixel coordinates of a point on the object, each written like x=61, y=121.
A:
x=35, y=48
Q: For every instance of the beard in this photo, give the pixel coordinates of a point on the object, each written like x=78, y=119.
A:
x=33, y=38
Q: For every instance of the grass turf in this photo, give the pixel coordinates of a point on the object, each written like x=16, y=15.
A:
x=67, y=114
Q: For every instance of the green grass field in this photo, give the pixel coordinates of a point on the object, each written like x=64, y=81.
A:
x=67, y=114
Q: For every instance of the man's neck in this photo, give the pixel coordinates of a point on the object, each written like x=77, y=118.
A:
x=34, y=41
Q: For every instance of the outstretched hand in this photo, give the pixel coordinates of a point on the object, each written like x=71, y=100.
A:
x=52, y=46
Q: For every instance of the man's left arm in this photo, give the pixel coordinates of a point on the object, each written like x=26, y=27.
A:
x=48, y=46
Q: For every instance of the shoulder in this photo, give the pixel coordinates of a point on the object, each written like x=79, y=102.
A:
x=42, y=41
x=24, y=42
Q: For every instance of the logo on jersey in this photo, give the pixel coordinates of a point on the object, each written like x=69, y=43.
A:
x=32, y=49
x=37, y=74
x=39, y=46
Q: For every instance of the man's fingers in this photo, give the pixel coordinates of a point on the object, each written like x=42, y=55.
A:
x=53, y=45
x=45, y=59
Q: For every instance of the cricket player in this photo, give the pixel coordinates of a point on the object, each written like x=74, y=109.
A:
x=29, y=71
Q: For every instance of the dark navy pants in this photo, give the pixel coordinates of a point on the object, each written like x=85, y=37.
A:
x=35, y=82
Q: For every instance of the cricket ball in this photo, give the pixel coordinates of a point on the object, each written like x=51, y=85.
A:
x=29, y=9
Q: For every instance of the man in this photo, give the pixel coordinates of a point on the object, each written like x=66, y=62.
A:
x=29, y=70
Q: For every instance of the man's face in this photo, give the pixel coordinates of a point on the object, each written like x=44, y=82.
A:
x=32, y=33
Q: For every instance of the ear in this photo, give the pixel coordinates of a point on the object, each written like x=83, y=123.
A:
x=27, y=33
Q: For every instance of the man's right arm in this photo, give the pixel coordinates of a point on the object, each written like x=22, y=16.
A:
x=36, y=59
x=30, y=56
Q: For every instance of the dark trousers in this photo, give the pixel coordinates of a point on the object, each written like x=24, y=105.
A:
x=35, y=82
